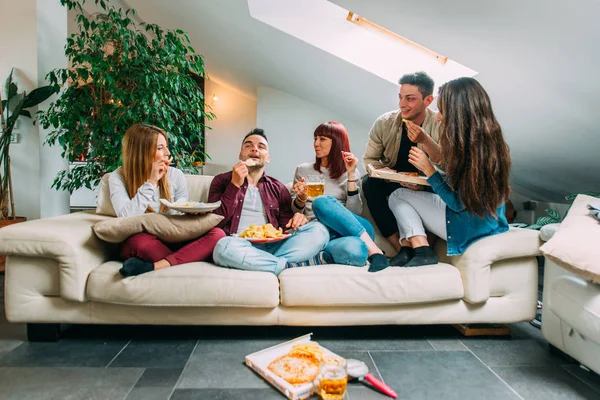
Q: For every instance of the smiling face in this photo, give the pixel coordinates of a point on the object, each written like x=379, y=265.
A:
x=256, y=148
x=162, y=150
x=322, y=145
x=411, y=102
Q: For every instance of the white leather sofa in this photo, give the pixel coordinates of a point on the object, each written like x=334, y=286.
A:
x=58, y=271
x=571, y=312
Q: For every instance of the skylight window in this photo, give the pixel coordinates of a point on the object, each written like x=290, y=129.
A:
x=355, y=39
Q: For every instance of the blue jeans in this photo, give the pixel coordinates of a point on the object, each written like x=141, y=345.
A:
x=345, y=229
x=306, y=242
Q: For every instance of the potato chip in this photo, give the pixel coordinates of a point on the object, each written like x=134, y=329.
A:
x=265, y=231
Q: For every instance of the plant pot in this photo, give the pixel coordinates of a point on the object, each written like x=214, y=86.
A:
x=3, y=223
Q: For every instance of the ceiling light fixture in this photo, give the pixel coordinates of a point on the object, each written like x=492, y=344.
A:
x=373, y=27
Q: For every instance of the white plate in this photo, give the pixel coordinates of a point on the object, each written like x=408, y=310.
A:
x=192, y=206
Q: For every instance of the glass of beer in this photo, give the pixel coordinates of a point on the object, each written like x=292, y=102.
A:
x=332, y=379
x=315, y=185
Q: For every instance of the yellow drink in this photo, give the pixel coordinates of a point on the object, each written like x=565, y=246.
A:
x=315, y=189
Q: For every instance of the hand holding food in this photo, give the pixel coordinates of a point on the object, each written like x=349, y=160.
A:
x=350, y=160
x=300, y=189
x=158, y=170
x=416, y=134
x=419, y=159
x=240, y=172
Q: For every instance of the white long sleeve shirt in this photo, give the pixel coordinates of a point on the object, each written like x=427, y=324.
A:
x=147, y=194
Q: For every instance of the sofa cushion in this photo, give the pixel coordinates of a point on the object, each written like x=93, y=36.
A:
x=168, y=228
x=198, y=186
x=340, y=285
x=197, y=284
x=575, y=245
x=577, y=302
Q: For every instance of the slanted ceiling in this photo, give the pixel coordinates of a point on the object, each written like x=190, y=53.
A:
x=538, y=59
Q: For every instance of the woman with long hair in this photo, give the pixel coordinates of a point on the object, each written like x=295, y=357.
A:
x=469, y=201
x=137, y=187
x=351, y=236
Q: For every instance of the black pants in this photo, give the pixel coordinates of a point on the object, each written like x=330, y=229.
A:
x=376, y=192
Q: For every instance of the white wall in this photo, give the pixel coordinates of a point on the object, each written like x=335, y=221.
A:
x=35, y=33
x=290, y=122
x=51, y=39
x=235, y=116
x=18, y=49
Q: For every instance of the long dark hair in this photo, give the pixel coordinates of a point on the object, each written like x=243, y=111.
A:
x=474, y=154
x=339, y=142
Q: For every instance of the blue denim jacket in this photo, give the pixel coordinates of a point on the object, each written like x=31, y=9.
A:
x=463, y=228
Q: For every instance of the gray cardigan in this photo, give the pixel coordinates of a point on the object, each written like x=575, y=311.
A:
x=337, y=188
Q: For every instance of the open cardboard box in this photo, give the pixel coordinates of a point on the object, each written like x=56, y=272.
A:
x=396, y=176
x=260, y=360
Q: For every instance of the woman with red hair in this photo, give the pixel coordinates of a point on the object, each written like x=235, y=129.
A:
x=351, y=236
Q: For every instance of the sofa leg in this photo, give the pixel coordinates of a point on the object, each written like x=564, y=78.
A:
x=43, y=332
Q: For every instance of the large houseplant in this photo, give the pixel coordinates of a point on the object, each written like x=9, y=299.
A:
x=123, y=73
x=12, y=107
x=553, y=217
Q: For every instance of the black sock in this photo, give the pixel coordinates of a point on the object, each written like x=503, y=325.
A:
x=378, y=262
x=404, y=255
x=136, y=266
x=424, y=255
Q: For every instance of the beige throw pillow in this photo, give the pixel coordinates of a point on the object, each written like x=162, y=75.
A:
x=168, y=228
x=575, y=245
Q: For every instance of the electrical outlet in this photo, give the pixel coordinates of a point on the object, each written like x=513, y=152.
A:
x=14, y=138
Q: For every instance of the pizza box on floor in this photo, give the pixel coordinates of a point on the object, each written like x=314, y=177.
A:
x=260, y=361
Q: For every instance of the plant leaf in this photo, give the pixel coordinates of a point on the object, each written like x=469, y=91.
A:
x=10, y=122
x=8, y=84
x=36, y=96
x=25, y=113
x=553, y=214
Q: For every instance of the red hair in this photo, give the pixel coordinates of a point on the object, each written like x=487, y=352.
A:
x=339, y=142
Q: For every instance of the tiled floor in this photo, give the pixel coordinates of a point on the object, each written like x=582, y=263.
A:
x=179, y=363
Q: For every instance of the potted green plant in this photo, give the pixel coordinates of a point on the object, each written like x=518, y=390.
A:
x=122, y=72
x=553, y=217
x=14, y=106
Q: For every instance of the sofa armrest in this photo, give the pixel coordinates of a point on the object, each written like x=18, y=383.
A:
x=475, y=263
x=68, y=239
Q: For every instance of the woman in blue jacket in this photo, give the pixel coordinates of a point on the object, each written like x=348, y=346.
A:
x=468, y=203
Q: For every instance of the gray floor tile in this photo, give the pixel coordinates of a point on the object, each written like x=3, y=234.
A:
x=13, y=331
x=524, y=330
x=7, y=345
x=449, y=344
x=219, y=370
x=546, y=383
x=65, y=353
x=589, y=377
x=513, y=352
x=227, y=394
x=239, y=347
x=155, y=377
x=419, y=344
x=155, y=354
x=440, y=374
x=360, y=391
x=149, y=393
x=67, y=383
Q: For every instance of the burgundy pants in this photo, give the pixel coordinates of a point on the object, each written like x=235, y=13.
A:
x=147, y=247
